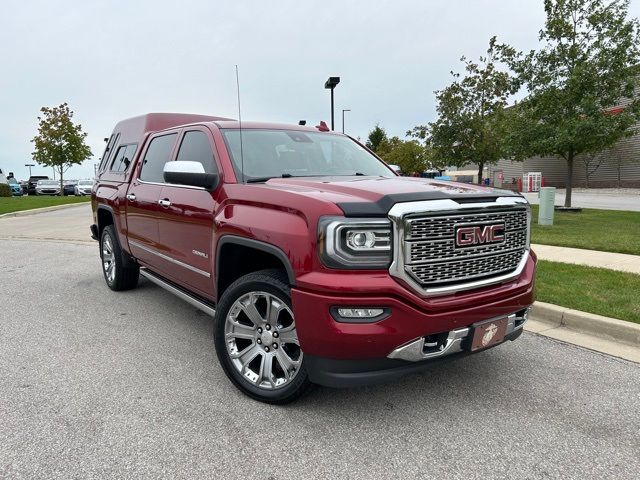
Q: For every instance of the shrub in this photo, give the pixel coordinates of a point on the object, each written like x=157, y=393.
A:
x=5, y=190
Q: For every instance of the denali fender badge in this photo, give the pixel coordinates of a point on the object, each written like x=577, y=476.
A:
x=471, y=235
x=200, y=254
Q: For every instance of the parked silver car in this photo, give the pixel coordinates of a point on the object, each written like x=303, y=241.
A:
x=48, y=187
x=83, y=187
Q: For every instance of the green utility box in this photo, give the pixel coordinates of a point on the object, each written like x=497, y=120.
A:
x=547, y=201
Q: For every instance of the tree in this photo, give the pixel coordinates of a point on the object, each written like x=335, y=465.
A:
x=376, y=137
x=470, y=123
x=409, y=155
x=584, y=67
x=59, y=143
x=592, y=162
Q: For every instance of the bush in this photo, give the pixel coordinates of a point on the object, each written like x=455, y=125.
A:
x=5, y=190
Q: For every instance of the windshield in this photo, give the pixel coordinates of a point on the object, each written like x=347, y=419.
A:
x=292, y=153
x=85, y=182
x=12, y=181
x=48, y=182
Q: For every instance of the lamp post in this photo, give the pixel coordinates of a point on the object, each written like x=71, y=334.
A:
x=331, y=84
x=29, y=165
x=344, y=110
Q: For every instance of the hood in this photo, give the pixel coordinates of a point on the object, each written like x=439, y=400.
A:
x=374, y=196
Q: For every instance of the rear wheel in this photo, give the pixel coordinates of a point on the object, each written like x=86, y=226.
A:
x=117, y=275
x=256, y=339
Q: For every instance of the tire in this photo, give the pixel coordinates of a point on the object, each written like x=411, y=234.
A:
x=116, y=274
x=274, y=373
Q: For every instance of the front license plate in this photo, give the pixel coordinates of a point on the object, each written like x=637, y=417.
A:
x=488, y=333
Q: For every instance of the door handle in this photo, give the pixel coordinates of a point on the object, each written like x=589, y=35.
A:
x=164, y=202
x=131, y=197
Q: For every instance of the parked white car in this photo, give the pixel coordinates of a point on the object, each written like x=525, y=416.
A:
x=48, y=187
x=83, y=187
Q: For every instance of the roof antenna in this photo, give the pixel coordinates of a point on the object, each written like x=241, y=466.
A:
x=240, y=122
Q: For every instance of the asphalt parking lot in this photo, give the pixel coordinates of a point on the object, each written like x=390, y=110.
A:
x=98, y=384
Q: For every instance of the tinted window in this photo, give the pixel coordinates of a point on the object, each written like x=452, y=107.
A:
x=113, y=141
x=123, y=158
x=195, y=147
x=104, y=154
x=274, y=153
x=157, y=155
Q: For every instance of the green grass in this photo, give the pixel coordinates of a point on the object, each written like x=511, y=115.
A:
x=595, y=290
x=16, y=204
x=604, y=230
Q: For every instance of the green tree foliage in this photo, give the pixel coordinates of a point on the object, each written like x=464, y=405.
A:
x=586, y=63
x=59, y=143
x=376, y=137
x=409, y=155
x=470, y=124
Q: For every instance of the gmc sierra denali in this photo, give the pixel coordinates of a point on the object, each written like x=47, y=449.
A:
x=318, y=263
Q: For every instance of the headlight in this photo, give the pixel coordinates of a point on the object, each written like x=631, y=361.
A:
x=355, y=242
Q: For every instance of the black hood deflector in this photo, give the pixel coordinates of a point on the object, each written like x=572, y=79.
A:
x=381, y=207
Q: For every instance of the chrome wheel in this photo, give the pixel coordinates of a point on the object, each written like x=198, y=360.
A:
x=108, y=259
x=261, y=339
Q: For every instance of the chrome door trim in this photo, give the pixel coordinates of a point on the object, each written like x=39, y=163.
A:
x=190, y=187
x=170, y=259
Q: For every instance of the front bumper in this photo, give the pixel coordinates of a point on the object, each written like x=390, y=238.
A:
x=359, y=352
x=339, y=373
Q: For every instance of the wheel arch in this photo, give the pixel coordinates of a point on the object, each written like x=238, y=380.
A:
x=104, y=217
x=230, y=251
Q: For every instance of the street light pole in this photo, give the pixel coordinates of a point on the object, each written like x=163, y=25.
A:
x=344, y=110
x=331, y=84
x=29, y=165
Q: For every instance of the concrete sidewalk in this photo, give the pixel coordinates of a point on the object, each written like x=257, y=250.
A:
x=599, y=198
x=591, y=258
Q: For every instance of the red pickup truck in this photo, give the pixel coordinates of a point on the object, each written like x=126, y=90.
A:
x=318, y=263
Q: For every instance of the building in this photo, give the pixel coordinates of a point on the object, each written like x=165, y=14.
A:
x=618, y=166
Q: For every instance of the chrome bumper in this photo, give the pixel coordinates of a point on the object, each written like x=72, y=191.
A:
x=425, y=348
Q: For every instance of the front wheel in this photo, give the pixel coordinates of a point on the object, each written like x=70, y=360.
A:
x=256, y=340
x=117, y=275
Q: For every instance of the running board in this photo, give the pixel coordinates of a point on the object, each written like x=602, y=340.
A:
x=178, y=292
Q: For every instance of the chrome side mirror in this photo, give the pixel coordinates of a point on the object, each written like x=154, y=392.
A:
x=189, y=173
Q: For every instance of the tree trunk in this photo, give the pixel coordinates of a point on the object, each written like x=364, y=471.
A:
x=61, y=183
x=569, y=185
x=480, y=171
x=619, y=173
x=586, y=176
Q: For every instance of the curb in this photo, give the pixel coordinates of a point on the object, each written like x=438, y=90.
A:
x=35, y=211
x=589, y=323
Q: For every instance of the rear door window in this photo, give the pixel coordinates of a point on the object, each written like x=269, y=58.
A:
x=158, y=153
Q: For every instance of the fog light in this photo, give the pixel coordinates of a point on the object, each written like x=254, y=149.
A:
x=360, y=312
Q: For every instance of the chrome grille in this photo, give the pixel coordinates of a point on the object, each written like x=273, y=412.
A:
x=432, y=259
x=444, y=249
x=442, y=226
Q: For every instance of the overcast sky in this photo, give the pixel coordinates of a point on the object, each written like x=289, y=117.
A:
x=115, y=59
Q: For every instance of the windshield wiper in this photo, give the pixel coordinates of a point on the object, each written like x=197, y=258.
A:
x=264, y=179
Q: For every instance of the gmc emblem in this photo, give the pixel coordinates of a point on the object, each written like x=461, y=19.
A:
x=469, y=236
